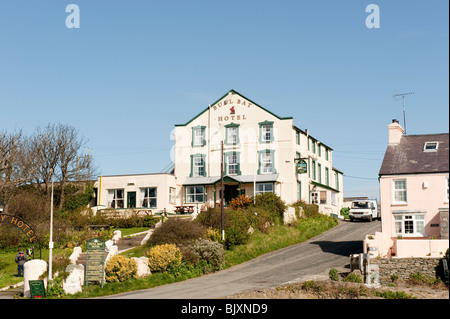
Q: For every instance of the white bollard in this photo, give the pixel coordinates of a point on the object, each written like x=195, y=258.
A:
x=32, y=270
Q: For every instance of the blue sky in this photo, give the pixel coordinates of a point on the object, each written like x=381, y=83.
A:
x=134, y=69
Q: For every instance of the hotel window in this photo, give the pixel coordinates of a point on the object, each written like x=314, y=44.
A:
x=314, y=175
x=326, y=154
x=198, y=136
x=232, y=165
x=400, y=191
x=232, y=134
x=297, y=137
x=314, y=198
x=319, y=169
x=265, y=132
x=323, y=197
x=266, y=162
x=409, y=225
x=336, y=180
x=148, y=197
x=198, y=165
x=264, y=188
x=172, y=195
x=195, y=194
x=327, y=176
x=115, y=198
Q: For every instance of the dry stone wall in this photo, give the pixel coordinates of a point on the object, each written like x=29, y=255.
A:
x=404, y=267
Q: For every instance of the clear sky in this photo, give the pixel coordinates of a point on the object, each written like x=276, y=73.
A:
x=134, y=69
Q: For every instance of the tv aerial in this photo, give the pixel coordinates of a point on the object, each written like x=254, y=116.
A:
x=395, y=95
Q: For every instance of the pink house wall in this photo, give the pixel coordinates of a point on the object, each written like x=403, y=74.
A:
x=425, y=192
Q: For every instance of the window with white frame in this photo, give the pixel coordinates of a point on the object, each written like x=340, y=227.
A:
x=198, y=165
x=264, y=188
x=400, y=191
x=266, y=132
x=411, y=225
x=172, y=195
x=195, y=194
x=267, y=163
x=149, y=197
x=116, y=198
x=232, y=131
x=430, y=146
x=198, y=136
x=232, y=164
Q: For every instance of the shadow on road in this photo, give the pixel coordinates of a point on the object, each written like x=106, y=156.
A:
x=343, y=248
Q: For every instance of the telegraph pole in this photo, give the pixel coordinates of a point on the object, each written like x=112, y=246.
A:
x=221, y=195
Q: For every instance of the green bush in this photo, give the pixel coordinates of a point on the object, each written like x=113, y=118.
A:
x=236, y=231
x=333, y=273
x=352, y=277
x=177, y=231
x=272, y=203
x=309, y=210
x=210, y=252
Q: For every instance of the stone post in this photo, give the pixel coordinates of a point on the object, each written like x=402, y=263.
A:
x=32, y=270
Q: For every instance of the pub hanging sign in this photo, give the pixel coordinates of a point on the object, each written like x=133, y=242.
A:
x=302, y=167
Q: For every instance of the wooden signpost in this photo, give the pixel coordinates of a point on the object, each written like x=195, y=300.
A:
x=95, y=261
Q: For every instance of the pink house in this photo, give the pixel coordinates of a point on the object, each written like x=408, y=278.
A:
x=414, y=193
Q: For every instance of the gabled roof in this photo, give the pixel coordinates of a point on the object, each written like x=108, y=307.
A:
x=234, y=92
x=409, y=157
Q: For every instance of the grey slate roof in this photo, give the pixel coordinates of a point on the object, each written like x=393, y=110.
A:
x=408, y=156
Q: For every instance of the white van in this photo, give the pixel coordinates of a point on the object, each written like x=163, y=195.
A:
x=364, y=209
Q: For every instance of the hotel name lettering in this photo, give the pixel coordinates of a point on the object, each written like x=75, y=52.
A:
x=15, y=221
x=230, y=104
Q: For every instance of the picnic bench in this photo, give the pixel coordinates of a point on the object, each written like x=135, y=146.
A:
x=186, y=209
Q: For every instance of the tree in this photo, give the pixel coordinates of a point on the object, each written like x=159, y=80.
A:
x=16, y=162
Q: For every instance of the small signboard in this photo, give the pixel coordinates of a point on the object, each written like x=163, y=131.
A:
x=37, y=289
x=302, y=167
x=95, y=260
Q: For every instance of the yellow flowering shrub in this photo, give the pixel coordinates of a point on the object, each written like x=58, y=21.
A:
x=161, y=256
x=120, y=268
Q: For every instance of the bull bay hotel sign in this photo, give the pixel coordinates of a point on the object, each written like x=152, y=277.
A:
x=231, y=104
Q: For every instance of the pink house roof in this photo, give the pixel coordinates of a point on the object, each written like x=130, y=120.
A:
x=411, y=157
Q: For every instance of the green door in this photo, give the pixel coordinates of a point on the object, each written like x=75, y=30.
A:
x=131, y=199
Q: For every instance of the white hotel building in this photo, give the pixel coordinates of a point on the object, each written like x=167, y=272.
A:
x=261, y=154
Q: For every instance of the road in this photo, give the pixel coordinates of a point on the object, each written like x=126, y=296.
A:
x=307, y=260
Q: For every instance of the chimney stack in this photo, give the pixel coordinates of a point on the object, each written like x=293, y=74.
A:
x=395, y=132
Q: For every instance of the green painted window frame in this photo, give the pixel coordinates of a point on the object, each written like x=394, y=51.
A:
x=203, y=156
x=225, y=166
x=261, y=124
x=319, y=170
x=314, y=173
x=272, y=153
x=327, y=176
x=232, y=125
x=203, y=129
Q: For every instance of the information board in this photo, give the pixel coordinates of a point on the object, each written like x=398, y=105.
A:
x=37, y=289
x=95, y=260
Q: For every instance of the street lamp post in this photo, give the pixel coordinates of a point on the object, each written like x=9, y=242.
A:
x=50, y=244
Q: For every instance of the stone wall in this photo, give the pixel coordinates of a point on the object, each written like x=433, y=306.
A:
x=404, y=267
